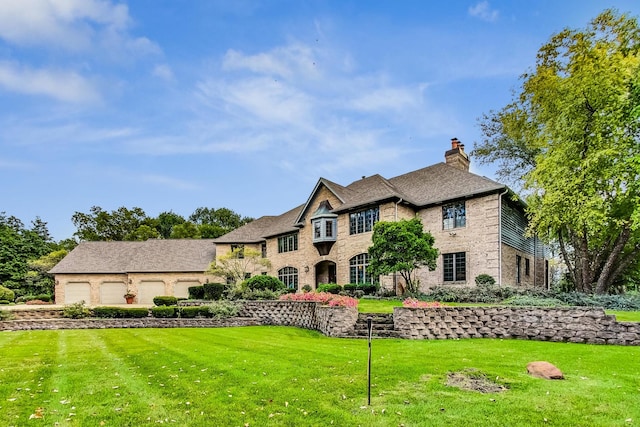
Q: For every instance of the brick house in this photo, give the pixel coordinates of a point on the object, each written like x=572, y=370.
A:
x=478, y=226
x=100, y=273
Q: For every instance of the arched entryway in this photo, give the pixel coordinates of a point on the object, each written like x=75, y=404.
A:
x=325, y=272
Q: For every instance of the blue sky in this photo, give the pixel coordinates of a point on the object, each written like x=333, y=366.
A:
x=174, y=105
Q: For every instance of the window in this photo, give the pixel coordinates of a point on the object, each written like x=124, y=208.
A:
x=288, y=243
x=363, y=221
x=239, y=249
x=527, y=267
x=263, y=249
x=289, y=276
x=455, y=267
x=454, y=215
x=518, y=269
x=323, y=229
x=358, y=269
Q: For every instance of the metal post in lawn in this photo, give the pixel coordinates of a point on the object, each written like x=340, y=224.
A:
x=369, y=332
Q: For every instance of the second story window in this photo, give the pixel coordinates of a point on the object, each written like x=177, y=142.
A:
x=238, y=250
x=363, y=221
x=288, y=243
x=454, y=215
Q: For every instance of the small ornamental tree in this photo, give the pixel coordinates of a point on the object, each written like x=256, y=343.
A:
x=401, y=247
x=237, y=264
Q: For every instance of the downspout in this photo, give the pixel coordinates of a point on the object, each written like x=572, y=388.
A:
x=500, y=235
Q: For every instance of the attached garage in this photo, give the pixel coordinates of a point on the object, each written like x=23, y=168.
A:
x=101, y=273
x=181, y=289
x=112, y=292
x=77, y=292
x=147, y=291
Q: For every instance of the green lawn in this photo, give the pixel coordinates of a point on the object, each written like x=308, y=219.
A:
x=261, y=376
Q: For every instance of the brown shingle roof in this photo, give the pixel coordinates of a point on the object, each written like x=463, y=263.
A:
x=430, y=185
x=172, y=255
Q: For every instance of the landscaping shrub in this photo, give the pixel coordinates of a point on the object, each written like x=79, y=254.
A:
x=307, y=288
x=332, y=288
x=350, y=288
x=367, y=288
x=107, y=312
x=532, y=301
x=196, y=292
x=214, y=291
x=165, y=300
x=261, y=294
x=76, y=311
x=190, y=312
x=223, y=309
x=6, y=315
x=485, y=279
x=135, y=312
x=6, y=294
x=163, y=311
x=324, y=298
x=263, y=282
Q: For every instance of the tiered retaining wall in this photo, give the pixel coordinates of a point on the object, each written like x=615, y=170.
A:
x=576, y=324
x=579, y=325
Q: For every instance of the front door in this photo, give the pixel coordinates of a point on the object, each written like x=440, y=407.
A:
x=325, y=272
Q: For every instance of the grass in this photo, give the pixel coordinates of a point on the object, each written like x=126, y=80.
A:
x=262, y=376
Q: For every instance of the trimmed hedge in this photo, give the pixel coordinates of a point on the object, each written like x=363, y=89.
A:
x=263, y=282
x=214, y=291
x=165, y=300
x=6, y=294
x=196, y=292
x=120, y=312
x=332, y=288
x=163, y=312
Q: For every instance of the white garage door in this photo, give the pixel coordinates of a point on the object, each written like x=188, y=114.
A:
x=181, y=289
x=112, y=293
x=76, y=292
x=147, y=291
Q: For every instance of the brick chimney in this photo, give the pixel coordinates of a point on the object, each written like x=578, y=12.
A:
x=456, y=157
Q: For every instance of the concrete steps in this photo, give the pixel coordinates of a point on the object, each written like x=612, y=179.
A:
x=382, y=325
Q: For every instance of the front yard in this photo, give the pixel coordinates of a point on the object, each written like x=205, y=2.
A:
x=259, y=376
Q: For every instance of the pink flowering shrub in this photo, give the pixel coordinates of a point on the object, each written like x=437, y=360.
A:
x=324, y=298
x=414, y=303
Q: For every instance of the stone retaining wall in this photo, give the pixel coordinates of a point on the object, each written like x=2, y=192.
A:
x=576, y=324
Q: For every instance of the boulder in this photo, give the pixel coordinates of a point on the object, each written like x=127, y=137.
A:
x=544, y=370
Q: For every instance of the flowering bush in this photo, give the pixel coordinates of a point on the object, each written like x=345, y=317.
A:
x=414, y=303
x=324, y=298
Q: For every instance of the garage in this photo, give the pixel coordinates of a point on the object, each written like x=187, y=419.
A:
x=112, y=292
x=77, y=292
x=181, y=289
x=147, y=291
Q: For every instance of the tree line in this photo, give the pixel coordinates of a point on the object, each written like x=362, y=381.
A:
x=27, y=253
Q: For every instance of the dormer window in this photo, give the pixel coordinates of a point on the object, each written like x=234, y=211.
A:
x=324, y=226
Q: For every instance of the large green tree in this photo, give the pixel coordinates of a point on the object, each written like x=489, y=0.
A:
x=571, y=138
x=120, y=224
x=18, y=246
x=401, y=247
x=214, y=223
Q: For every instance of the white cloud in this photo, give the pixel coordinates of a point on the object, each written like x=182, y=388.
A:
x=163, y=71
x=483, y=11
x=385, y=99
x=67, y=86
x=289, y=61
x=74, y=25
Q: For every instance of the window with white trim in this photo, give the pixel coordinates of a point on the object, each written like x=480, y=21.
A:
x=288, y=243
x=363, y=221
x=358, y=269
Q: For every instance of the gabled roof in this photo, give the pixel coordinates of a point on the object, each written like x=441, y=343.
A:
x=172, y=255
x=441, y=182
x=431, y=185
